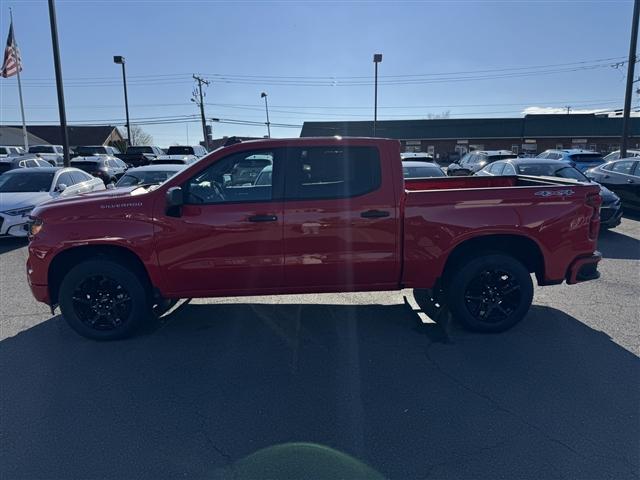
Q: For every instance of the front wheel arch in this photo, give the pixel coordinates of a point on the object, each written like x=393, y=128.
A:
x=67, y=259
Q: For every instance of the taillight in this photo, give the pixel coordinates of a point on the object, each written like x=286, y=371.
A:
x=594, y=200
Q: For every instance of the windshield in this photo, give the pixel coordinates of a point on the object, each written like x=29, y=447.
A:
x=422, y=171
x=587, y=158
x=147, y=177
x=42, y=149
x=29, y=181
x=178, y=150
x=140, y=149
x=550, y=170
x=81, y=151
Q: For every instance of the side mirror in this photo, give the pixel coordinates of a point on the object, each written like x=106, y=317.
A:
x=61, y=187
x=175, y=200
x=111, y=186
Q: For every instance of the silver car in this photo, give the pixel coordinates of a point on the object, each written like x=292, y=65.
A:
x=22, y=189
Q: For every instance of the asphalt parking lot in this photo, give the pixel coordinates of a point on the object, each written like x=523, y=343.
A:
x=556, y=397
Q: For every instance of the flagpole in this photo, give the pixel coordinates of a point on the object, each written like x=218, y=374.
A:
x=24, y=124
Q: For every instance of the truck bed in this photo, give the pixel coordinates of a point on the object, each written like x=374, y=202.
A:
x=441, y=213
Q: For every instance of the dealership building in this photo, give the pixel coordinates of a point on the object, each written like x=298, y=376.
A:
x=530, y=134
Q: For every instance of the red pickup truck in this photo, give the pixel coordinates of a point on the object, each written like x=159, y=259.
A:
x=311, y=215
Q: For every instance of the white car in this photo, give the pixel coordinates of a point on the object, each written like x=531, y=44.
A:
x=24, y=188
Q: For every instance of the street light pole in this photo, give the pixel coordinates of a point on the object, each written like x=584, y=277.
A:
x=266, y=107
x=59, y=87
x=377, y=58
x=120, y=59
x=630, y=72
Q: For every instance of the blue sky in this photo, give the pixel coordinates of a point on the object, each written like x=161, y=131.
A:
x=306, y=55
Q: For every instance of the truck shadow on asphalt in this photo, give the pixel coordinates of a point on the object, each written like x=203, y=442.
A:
x=617, y=245
x=9, y=244
x=551, y=398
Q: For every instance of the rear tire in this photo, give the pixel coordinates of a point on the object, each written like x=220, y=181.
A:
x=104, y=300
x=490, y=293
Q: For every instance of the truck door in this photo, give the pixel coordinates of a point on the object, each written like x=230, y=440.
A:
x=228, y=238
x=341, y=219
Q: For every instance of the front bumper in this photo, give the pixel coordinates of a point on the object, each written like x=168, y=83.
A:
x=583, y=269
x=610, y=216
x=14, y=226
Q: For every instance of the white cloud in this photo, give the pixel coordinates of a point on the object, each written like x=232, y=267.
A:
x=551, y=110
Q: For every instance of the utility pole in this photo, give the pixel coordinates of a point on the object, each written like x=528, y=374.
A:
x=568, y=109
x=199, y=99
x=58, y=68
x=630, y=72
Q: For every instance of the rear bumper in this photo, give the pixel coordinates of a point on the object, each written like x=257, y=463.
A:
x=584, y=269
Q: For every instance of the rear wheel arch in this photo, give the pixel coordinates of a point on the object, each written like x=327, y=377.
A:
x=522, y=248
x=64, y=261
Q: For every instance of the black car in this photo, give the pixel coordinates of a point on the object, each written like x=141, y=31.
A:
x=419, y=169
x=105, y=167
x=611, y=209
x=11, y=163
x=621, y=176
x=197, y=150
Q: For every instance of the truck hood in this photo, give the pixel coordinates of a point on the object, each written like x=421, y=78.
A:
x=101, y=199
x=14, y=200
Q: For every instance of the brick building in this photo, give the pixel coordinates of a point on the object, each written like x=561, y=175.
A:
x=531, y=134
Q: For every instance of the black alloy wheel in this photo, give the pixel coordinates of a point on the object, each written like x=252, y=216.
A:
x=101, y=303
x=103, y=299
x=493, y=295
x=489, y=293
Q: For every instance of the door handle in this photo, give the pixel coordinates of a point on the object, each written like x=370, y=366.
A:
x=630, y=181
x=374, y=214
x=262, y=218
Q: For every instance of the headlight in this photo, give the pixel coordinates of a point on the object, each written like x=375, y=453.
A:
x=24, y=211
x=35, y=226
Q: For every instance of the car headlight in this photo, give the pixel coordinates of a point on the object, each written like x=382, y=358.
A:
x=24, y=211
x=35, y=226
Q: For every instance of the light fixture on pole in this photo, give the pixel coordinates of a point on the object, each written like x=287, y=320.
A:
x=377, y=58
x=266, y=107
x=120, y=60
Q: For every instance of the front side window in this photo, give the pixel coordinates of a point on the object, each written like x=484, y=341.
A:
x=65, y=179
x=496, y=168
x=332, y=172
x=233, y=179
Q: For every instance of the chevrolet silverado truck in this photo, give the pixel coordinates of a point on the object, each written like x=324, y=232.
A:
x=328, y=215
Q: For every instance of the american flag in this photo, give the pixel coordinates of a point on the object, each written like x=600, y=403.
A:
x=12, y=63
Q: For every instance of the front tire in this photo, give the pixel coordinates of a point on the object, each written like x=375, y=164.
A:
x=490, y=293
x=104, y=300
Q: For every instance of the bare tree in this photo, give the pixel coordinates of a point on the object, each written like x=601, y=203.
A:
x=139, y=136
x=433, y=116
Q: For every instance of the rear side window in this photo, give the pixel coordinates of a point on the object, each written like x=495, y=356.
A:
x=332, y=172
x=622, y=167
